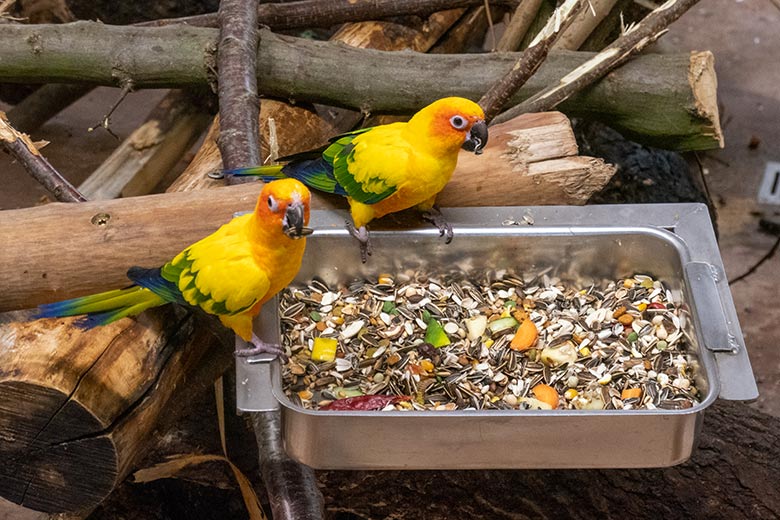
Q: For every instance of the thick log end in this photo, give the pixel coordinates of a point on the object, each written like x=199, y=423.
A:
x=704, y=85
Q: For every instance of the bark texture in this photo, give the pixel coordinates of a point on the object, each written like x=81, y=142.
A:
x=238, y=100
x=24, y=150
x=650, y=98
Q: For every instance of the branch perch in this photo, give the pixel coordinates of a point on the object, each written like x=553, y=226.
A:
x=530, y=59
x=24, y=150
x=238, y=100
x=666, y=101
x=631, y=42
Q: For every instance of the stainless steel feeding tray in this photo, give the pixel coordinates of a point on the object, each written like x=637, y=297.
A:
x=672, y=242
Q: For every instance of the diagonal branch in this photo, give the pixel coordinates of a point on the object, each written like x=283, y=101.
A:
x=23, y=149
x=631, y=42
x=530, y=59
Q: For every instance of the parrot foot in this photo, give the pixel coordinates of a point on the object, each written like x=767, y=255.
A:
x=362, y=236
x=259, y=346
x=435, y=217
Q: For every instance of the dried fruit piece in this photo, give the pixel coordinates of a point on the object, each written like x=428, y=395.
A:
x=365, y=402
x=626, y=319
x=631, y=393
x=525, y=337
x=546, y=394
x=324, y=349
x=426, y=365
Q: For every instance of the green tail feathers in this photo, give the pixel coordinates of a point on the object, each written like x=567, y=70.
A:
x=267, y=173
x=103, y=308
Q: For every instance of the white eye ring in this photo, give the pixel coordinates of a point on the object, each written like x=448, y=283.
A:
x=272, y=205
x=458, y=122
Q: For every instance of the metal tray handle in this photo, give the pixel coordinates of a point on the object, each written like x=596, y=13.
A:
x=717, y=321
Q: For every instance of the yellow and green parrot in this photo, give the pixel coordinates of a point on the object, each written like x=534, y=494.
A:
x=230, y=273
x=392, y=167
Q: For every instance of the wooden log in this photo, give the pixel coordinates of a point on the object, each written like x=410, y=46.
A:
x=650, y=98
x=150, y=230
x=77, y=409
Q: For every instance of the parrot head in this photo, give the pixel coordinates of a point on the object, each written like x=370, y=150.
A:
x=285, y=202
x=453, y=123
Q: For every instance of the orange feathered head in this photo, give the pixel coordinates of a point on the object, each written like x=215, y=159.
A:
x=452, y=123
x=286, y=202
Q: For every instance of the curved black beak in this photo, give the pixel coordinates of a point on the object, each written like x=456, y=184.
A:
x=477, y=138
x=293, y=223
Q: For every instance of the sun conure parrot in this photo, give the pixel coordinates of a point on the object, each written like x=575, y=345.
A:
x=230, y=273
x=392, y=167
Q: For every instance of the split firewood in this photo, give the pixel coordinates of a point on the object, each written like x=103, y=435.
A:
x=518, y=25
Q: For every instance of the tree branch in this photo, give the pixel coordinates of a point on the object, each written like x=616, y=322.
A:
x=631, y=42
x=530, y=59
x=655, y=102
x=239, y=104
x=319, y=13
x=23, y=149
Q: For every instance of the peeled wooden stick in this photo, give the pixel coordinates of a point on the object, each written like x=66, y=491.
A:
x=518, y=25
x=530, y=59
x=584, y=24
x=633, y=40
x=24, y=150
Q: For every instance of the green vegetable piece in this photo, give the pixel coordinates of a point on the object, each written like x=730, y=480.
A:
x=342, y=392
x=632, y=337
x=315, y=316
x=435, y=334
x=502, y=324
x=510, y=304
x=426, y=316
x=389, y=308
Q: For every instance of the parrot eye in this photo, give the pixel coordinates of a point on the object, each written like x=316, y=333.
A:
x=272, y=205
x=458, y=122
